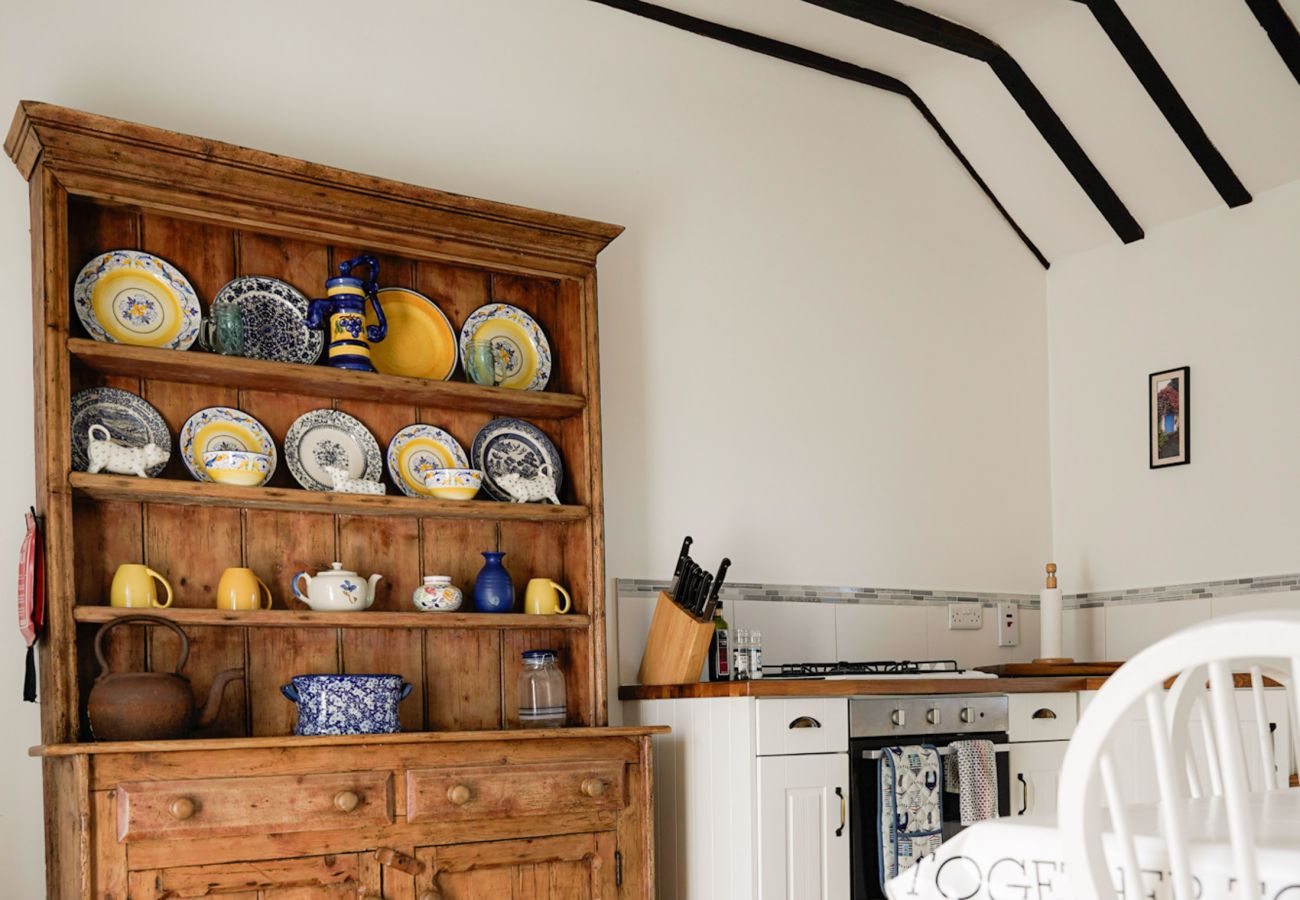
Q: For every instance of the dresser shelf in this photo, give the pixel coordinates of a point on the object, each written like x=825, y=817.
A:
x=293, y=618
x=197, y=367
x=129, y=488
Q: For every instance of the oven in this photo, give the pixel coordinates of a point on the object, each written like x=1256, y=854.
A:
x=879, y=722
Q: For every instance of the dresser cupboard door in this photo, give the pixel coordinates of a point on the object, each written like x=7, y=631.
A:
x=339, y=876
x=572, y=867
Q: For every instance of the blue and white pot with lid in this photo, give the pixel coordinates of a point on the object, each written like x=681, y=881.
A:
x=347, y=704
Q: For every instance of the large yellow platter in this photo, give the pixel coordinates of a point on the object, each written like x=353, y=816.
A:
x=130, y=297
x=420, y=342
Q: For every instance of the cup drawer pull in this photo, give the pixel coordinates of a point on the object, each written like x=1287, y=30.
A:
x=805, y=722
x=1043, y=713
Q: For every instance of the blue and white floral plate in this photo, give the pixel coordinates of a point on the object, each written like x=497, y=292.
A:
x=418, y=449
x=328, y=437
x=223, y=428
x=274, y=316
x=130, y=420
x=508, y=445
x=523, y=355
x=130, y=297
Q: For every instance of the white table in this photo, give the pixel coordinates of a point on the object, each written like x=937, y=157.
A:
x=1020, y=858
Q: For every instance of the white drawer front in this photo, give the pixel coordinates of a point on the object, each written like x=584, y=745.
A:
x=1042, y=717
x=802, y=725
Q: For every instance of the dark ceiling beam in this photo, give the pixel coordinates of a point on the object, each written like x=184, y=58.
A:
x=829, y=65
x=1281, y=31
x=932, y=29
x=1170, y=103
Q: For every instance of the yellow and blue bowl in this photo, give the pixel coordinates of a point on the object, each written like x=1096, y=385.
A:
x=453, y=484
x=237, y=467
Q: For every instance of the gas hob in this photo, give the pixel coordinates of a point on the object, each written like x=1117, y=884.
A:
x=832, y=671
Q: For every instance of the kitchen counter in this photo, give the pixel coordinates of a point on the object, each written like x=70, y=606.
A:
x=853, y=687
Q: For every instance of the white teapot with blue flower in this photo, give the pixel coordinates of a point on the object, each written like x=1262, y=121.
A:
x=337, y=590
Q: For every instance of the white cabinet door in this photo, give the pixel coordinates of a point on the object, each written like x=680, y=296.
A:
x=803, y=828
x=1035, y=770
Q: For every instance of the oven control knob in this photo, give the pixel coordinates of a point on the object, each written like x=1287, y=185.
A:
x=899, y=717
x=932, y=716
x=967, y=714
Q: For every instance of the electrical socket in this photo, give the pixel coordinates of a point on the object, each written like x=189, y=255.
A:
x=1008, y=625
x=965, y=617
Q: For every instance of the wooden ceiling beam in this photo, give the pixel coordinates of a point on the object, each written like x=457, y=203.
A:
x=1139, y=58
x=829, y=65
x=924, y=26
x=1281, y=31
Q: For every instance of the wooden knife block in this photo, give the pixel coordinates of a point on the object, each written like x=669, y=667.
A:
x=677, y=646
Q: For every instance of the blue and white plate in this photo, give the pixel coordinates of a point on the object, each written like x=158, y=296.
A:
x=130, y=297
x=129, y=419
x=418, y=449
x=507, y=445
x=223, y=428
x=328, y=437
x=274, y=315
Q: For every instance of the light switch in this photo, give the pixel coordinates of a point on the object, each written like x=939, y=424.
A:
x=1008, y=625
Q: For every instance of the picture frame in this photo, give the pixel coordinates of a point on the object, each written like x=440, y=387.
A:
x=1169, y=417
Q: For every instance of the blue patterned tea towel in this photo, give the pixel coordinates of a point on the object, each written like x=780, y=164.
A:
x=911, y=807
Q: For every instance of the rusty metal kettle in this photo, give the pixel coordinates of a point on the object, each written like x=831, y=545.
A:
x=150, y=706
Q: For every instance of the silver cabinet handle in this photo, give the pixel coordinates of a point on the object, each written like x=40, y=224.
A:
x=805, y=722
x=839, y=792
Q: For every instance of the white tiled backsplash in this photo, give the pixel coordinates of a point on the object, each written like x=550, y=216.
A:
x=798, y=631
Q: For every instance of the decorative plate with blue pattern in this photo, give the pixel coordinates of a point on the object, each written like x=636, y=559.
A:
x=523, y=355
x=130, y=420
x=274, y=315
x=222, y=428
x=130, y=297
x=417, y=449
x=328, y=437
x=508, y=445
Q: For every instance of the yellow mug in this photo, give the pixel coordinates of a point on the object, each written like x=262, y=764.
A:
x=133, y=587
x=541, y=598
x=241, y=589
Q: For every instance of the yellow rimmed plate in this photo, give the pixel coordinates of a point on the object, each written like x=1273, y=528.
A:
x=523, y=355
x=418, y=449
x=222, y=428
x=129, y=297
x=420, y=342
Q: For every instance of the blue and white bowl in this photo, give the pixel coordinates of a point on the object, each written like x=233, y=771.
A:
x=347, y=704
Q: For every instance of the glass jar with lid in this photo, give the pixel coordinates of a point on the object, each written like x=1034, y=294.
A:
x=541, y=691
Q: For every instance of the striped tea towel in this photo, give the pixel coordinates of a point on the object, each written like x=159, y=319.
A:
x=911, y=807
x=970, y=770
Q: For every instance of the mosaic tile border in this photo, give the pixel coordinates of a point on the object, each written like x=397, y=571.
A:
x=804, y=593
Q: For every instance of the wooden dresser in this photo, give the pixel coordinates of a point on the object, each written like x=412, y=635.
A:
x=462, y=803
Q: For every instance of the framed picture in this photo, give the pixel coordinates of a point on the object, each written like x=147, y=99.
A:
x=1170, y=399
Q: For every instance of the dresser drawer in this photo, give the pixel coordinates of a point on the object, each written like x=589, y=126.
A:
x=802, y=725
x=534, y=789
x=276, y=803
x=1042, y=717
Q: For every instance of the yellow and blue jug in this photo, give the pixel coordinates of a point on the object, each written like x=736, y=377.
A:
x=343, y=314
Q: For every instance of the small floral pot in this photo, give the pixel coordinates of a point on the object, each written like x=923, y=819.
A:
x=437, y=594
x=347, y=704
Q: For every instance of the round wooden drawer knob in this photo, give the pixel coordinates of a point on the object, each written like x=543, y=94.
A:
x=182, y=808
x=458, y=794
x=346, y=801
x=593, y=787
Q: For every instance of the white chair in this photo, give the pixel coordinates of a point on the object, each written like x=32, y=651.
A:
x=1264, y=644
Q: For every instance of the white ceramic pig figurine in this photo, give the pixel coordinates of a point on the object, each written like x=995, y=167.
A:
x=528, y=490
x=108, y=455
x=344, y=484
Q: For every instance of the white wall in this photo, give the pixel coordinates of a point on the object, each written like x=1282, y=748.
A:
x=822, y=351
x=1216, y=291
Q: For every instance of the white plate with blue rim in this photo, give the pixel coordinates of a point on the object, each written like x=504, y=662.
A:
x=274, y=317
x=329, y=437
x=131, y=297
x=418, y=449
x=129, y=418
x=223, y=428
x=513, y=446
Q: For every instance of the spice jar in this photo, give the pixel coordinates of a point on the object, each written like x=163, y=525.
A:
x=541, y=691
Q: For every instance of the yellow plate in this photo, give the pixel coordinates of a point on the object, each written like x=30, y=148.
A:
x=420, y=342
x=131, y=297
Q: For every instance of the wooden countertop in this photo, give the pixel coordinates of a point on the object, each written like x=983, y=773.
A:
x=854, y=687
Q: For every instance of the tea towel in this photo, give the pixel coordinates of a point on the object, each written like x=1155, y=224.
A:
x=970, y=770
x=911, y=807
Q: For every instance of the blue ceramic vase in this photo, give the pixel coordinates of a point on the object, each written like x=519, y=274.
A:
x=494, y=592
